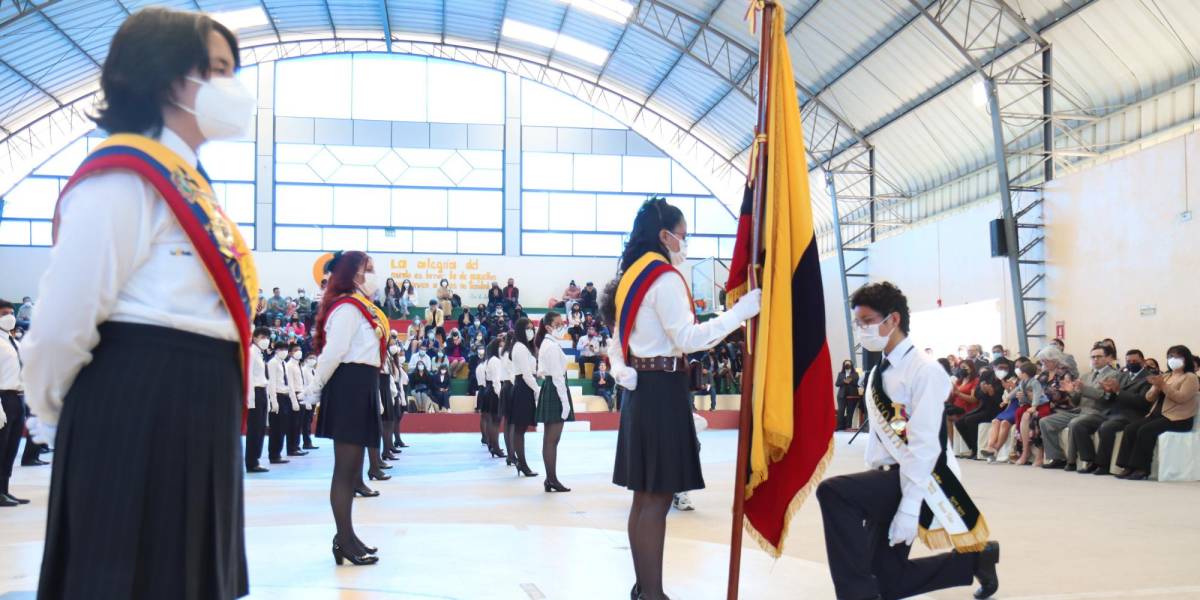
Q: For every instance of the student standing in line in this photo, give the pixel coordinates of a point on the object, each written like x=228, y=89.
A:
x=524, y=392
x=256, y=401
x=554, y=402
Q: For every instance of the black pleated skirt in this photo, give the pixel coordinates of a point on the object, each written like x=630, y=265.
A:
x=521, y=405
x=350, y=405
x=386, y=396
x=488, y=401
x=504, y=400
x=146, y=490
x=657, y=449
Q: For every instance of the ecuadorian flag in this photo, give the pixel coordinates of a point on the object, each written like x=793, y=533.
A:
x=793, y=419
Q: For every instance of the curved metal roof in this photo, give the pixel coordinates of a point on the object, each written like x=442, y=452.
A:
x=868, y=73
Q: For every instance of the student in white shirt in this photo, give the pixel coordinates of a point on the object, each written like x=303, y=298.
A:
x=308, y=372
x=144, y=381
x=257, y=404
x=348, y=338
x=493, y=384
x=525, y=391
x=554, y=403
x=12, y=399
x=279, y=396
x=295, y=382
x=393, y=403
x=658, y=453
x=507, y=377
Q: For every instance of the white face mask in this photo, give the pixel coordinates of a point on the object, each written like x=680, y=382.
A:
x=1002, y=375
x=870, y=338
x=1174, y=362
x=263, y=344
x=281, y=353
x=369, y=286
x=8, y=322
x=678, y=257
x=530, y=334
x=297, y=355
x=223, y=108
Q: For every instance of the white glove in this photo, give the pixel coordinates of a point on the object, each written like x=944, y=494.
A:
x=903, y=529
x=626, y=377
x=312, y=395
x=272, y=404
x=43, y=433
x=4, y=421
x=564, y=396
x=748, y=306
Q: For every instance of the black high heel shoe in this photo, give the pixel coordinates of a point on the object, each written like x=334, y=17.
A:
x=508, y=461
x=524, y=470
x=390, y=456
x=340, y=555
x=497, y=453
x=368, y=549
x=555, y=486
x=378, y=476
x=636, y=592
x=366, y=493
x=400, y=443
x=384, y=466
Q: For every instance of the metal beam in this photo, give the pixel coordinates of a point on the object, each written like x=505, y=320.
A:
x=841, y=256
x=69, y=39
x=25, y=7
x=329, y=15
x=31, y=83
x=270, y=20
x=387, y=24
x=688, y=50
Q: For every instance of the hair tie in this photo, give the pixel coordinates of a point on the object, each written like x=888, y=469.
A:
x=329, y=266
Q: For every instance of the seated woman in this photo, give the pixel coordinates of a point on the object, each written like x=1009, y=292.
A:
x=421, y=384
x=989, y=394
x=439, y=389
x=445, y=297
x=962, y=396
x=391, y=299
x=296, y=327
x=495, y=297
x=407, y=298
x=456, y=355
x=1173, y=399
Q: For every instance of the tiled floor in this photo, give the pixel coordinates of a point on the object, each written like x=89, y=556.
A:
x=454, y=523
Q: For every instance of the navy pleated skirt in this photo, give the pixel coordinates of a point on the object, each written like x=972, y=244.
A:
x=387, y=397
x=146, y=490
x=488, y=402
x=504, y=400
x=521, y=405
x=350, y=406
x=657, y=449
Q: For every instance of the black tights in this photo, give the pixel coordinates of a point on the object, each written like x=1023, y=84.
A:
x=388, y=427
x=347, y=475
x=491, y=424
x=516, y=435
x=550, y=450
x=503, y=426
x=647, y=534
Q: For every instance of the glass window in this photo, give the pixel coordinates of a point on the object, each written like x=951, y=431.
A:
x=471, y=209
x=237, y=200
x=304, y=204
x=682, y=182
x=546, y=171
x=358, y=155
x=552, y=244
x=247, y=232
x=361, y=205
x=389, y=87
x=41, y=233
x=713, y=217
x=389, y=240
x=357, y=174
x=14, y=233
x=228, y=161
x=435, y=241
x=455, y=90
x=480, y=242
x=336, y=238
x=597, y=173
x=727, y=246
x=543, y=105
x=648, y=174
x=616, y=212
x=701, y=247
x=573, y=212
x=32, y=198
x=298, y=238
x=66, y=160
x=688, y=206
x=313, y=87
x=535, y=210
x=418, y=208
x=598, y=245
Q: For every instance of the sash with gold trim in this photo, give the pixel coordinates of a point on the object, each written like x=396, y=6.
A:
x=188, y=192
x=632, y=288
x=949, y=518
x=373, y=314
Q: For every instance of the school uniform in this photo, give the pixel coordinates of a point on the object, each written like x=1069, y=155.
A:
x=256, y=408
x=495, y=385
x=554, y=399
x=279, y=391
x=144, y=386
x=295, y=384
x=308, y=374
x=507, y=378
x=525, y=389
x=348, y=376
x=12, y=401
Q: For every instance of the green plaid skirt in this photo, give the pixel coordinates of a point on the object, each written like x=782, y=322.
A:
x=549, y=407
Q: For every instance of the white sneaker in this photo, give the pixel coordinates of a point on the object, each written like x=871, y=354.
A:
x=683, y=502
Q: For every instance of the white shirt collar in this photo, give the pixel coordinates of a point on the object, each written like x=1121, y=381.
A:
x=898, y=353
x=175, y=144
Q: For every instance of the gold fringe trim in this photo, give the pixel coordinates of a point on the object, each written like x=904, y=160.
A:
x=732, y=296
x=971, y=541
x=793, y=506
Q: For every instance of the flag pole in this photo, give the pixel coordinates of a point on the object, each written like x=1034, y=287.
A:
x=760, y=190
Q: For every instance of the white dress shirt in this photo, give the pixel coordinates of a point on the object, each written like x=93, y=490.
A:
x=525, y=365
x=915, y=380
x=552, y=363
x=588, y=346
x=10, y=362
x=666, y=325
x=495, y=373
x=295, y=382
x=349, y=338
x=258, y=373
x=120, y=256
x=507, y=373
x=481, y=373
x=275, y=376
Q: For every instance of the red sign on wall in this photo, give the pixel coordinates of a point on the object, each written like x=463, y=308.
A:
x=1060, y=330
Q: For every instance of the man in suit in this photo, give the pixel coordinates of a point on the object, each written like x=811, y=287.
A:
x=603, y=383
x=1129, y=403
x=1089, y=407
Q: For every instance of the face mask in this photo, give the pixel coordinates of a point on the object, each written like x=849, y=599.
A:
x=480, y=353
x=223, y=108
x=262, y=344
x=429, y=335
x=297, y=355
x=1001, y=375
x=280, y=353
x=678, y=257
x=1135, y=368
x=1174, y=363
x=8, y=322
x=869, y=336
x=440, y=355
x=529, y=334
x=560, y=332
x=997, y=355
x=369, y=286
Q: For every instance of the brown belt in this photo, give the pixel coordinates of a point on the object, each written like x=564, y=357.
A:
x=668, y=364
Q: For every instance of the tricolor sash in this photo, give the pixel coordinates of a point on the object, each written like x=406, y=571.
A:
x=948, y=515
x=188, y=192
x=632, y=288
x=376, y=317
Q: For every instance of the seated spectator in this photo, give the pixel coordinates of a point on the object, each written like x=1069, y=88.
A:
x=988, y=395
x=407, y=299
x=1009, y=402
x=1034, y=404
x=25, y=313
x=420, y=359
x=587, y=298
x=456, y=355
x=495, y=297
x=998, y=354
x=304, y=306
x=575, y=324
x=478, y=341
x=975, y=355
x=411, y=347
x=518, y=313
x=1068, y=360
x=469, y=325
x=962, y=395
x=391, y=300
x=439, y=360
x=416, y=330
x=727, y=381
x=1083, y=412
x=439, y=388
x=1129, y=405
x=278, y=330
x=1172, y=407
x=512, y=296
x=260, y=311
x=292, y=307
x=589, y=352
x=847, y=395
x=421, y=382
x=603, y=383
x=498, y=323
x=435, y=316
x=703, y=377
x=445, y=297
x=276, y=305
x=1152, y=364
x=571, y=296
x=1114, y=363
x=296, y=327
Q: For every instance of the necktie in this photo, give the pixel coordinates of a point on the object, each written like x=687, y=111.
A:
x=285, y=374
x=878, y=384
x=16, y=348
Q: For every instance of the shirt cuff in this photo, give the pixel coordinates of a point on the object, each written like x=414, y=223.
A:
x=911, y=504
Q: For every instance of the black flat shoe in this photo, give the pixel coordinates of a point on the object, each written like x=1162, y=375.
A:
x=339, y=556
x=6, y=502
x=280, y=461
x=258, y=469
x=298, y=453
x=1056, y=464
x=378, y=476
x=1088, y=470
x=368, y=493
x=554, y=486
x=1138, y=476
x=312, y=447
x=1101, y=472
x=1069, y=467
x=985, y=571
x=16, y=499
x=37, y=462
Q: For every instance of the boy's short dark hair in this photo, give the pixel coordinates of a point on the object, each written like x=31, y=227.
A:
x=261, y=332
x=1029, y=369
x=884, y=298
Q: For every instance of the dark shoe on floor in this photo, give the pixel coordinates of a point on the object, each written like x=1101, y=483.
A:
x=280, y=461
x=258, y=469
x=6, y=502
x=16, y=499
x=985, y=571
x=1138, y=476
x=1088, y=470
x=37, y=462
x=297, y=453
x=1070, y=467
x=311, y=447
x=1056, y=464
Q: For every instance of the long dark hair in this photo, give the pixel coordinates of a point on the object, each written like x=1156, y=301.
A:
x=493, y=349
x=389, y=286
x=519, y=329
x=406, y=285
x=544, y=327
x=342, y=269
x=654, y=216
x=152, y=51
x=1189, y=361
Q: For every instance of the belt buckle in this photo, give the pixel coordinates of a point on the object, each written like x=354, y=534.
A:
x=674, y=365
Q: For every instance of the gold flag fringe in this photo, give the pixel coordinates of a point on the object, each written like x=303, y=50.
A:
x=971, y=541
x=793, y=506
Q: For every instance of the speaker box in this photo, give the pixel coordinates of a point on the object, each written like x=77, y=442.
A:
x=999, y=244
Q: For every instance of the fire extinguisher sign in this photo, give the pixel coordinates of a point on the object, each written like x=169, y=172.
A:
x=1060, y=330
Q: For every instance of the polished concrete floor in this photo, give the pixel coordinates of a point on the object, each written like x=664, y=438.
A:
x=455, y=524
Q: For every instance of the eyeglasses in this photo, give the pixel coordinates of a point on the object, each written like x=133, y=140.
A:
x=1097, y=357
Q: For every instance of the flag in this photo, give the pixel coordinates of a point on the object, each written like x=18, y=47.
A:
x=791, y=435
